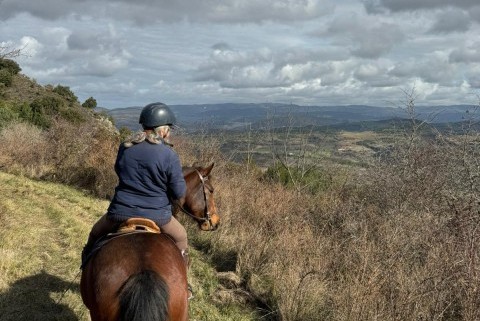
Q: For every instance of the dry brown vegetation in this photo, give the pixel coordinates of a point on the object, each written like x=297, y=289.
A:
x=397, y=240
x=82, y=155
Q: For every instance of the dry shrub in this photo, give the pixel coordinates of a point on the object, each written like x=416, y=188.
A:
x=416, y=249
x=397, y=241
x=80, y=155
x=23, y=149
x=83, y=156
x=278, y=255
x=199, y=149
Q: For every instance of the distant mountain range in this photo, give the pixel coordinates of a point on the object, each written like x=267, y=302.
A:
x=230, y=116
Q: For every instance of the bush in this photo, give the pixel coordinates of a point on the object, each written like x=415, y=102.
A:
x=11, y=66
x=7, y=114
x=47, y=105
x=66, y=93
x=125, y=132
x=23, y=149
x=83, y=155
x=90, y=103
x=24, y=111
x=80, y=155
x=6, y=77
x=42, y=110
x=73, y=115
x=313, y=180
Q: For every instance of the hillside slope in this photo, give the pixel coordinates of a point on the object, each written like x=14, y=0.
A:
x=44, y=229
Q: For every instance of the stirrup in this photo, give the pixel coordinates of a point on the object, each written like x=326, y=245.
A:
x=186, y=258
x=190, y=292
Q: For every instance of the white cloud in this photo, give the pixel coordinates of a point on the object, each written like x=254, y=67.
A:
x=302, y=51
x=31, y=46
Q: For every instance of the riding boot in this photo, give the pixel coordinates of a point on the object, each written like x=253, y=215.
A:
x=186, y=259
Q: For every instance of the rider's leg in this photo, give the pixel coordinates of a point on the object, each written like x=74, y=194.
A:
x=179, y=235
x=102, y=227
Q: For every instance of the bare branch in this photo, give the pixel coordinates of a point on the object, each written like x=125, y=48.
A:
x=7, y=51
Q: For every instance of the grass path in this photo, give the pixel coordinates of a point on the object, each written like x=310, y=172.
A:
x=44, y=227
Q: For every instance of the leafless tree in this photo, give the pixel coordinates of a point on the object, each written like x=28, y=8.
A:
x=8, y=51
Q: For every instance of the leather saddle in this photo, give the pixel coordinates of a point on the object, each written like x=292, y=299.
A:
x=137, y=224
x=132, y=225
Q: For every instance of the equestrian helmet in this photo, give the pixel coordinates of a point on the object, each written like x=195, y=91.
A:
x=156, y=114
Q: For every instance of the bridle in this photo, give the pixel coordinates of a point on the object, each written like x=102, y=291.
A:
x=206, y=212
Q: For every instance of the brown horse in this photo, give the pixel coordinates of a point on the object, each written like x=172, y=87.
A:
x=142, y=276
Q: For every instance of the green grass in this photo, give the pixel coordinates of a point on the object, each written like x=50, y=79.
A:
x=44, y=228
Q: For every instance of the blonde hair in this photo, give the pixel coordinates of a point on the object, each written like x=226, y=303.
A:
x=153, y=137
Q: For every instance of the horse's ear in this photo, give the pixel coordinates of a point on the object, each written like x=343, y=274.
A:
x=205, y=171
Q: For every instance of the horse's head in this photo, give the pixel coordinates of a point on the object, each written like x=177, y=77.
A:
x=199, y=201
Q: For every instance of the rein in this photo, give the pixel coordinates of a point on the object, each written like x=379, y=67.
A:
x=60, y=299
x=206, y=213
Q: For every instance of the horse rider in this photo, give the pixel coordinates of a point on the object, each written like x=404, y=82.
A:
x=150, y=179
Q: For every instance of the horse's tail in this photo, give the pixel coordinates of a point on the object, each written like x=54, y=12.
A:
x=144, y=297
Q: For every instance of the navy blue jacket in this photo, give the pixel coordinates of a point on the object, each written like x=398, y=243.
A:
x=148, y=175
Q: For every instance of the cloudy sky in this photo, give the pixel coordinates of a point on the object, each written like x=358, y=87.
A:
x=307, y=52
